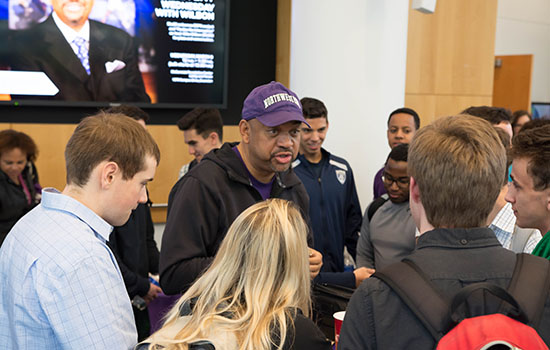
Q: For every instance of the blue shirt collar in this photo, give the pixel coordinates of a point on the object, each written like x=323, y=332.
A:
x=53, y=199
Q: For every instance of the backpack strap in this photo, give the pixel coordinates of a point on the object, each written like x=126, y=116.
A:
x=530, y=284
x=377, y=203
x=419, y=294
x=520, y=238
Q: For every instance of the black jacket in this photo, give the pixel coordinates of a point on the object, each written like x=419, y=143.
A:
x=13, y=202
x=334, y=212
x=201, y=207
x=377, y=318
x=136, y=251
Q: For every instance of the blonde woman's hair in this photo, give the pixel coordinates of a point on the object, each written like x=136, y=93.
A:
x=260, y=276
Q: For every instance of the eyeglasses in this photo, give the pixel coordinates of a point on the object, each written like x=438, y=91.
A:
x=400, y=181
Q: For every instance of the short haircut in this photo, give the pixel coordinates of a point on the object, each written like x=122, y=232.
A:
x=506, y=142
x=313, y=108
x=130, y=111
x=399, y=153
x=204, y=121
x=408, y=111
x=108, y=137
x=457, y=162
x=533, y=144
x=494, y=115
x=11, y=139
x=519, y=113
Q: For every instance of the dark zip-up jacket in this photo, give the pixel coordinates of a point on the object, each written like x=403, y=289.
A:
x=377, y=318
x=201, y=207
x=136, y=251
x=335, y=214
x=13, y=201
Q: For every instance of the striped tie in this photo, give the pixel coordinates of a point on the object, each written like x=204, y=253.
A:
x=82, y=53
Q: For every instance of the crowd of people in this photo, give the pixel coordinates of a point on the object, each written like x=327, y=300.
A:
x=253, y=225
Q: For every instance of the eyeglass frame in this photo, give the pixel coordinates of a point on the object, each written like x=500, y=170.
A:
x=401, y=182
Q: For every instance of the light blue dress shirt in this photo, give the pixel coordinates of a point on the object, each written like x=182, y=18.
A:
x=61, y=287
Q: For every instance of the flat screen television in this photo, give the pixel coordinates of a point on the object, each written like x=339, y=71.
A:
x=153, y=53
x=540, y=110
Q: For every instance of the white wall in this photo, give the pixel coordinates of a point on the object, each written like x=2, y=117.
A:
x=159, y=230
x=351, y=54
x=523, y=27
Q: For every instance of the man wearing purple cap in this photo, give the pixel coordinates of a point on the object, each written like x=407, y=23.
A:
x=203, y=204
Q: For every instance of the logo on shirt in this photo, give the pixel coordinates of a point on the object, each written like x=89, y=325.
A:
x=341, y=176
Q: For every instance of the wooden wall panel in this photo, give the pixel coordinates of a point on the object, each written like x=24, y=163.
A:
x=282, y=63
x=51, y=140
x=231, y=133
x=424, y=105
x=173, y=154
x=450, y=57
x=430, y=107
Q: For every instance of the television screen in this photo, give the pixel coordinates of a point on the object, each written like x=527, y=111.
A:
x=540, y=110
x=154, y=53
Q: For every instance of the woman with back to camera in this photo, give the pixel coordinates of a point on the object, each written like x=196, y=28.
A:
x=256, y=293
x=19, y=187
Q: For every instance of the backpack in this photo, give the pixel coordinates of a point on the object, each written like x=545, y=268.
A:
x=377, y=203
x=481, y=315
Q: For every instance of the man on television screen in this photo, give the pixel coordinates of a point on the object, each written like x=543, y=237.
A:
x=86, y=60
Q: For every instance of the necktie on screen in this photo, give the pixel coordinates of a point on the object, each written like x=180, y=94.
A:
x=82, y=52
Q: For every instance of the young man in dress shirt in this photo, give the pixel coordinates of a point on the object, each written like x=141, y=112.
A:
x=529, y=191
x=502, y=219
x=61, y=286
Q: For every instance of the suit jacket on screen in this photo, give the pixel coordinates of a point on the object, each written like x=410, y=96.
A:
x=44, y=48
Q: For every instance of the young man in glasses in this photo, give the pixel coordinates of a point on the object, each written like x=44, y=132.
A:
x=388, y=230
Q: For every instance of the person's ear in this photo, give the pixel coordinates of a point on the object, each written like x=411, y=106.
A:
x=414, y=191
x=244, y=129
x=109, y=172
x=213, y=138
x=547, y=199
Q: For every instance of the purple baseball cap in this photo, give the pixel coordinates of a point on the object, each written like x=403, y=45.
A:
x=273, y=104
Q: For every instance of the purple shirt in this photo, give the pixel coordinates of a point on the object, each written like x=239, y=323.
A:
x=378, y=188
x=263, y=188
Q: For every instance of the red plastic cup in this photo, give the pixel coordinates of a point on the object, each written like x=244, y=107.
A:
x=338, y=319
